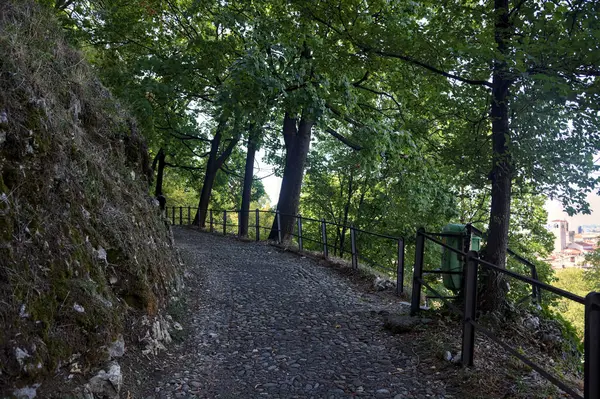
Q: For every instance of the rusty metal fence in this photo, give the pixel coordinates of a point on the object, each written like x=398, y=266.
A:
x=468, y=312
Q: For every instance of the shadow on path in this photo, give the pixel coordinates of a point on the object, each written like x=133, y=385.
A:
x=262, y=322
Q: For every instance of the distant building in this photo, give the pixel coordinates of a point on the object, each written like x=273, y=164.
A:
x=571, y=236
x=560, y=230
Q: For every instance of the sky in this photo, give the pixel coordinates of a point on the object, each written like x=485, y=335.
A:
x=554, y=209
x=272, y=183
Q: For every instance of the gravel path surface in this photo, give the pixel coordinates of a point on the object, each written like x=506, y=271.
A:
x=262, y=322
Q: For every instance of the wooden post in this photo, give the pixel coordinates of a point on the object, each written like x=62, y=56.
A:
x=415, y=303
x=400, y=268
x=591, y=343
x=279, y=227
x=300, y=246
x=324, y=238
x=180, y=215
x=257, y=225
x=225, y=222
x=353, y=248
x=468, y=338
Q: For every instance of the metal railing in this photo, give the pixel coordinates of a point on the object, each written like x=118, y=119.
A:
x=471, y=326
x=309, y=234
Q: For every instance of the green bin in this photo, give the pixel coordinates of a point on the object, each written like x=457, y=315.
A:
x=451, y=261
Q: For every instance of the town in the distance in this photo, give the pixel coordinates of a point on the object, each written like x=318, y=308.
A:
x=570, y=246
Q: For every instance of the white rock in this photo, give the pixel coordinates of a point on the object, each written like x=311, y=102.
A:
x=78, y=308
x=3, y=117
x=105, y=384
x=532, y=323
x=117, y=348
x=26, y=392
x=177, y=326
x=21, y=355
x=457, y=358
x=101, y=254
x=448, y=356
x=381, y=284
x=22, y=313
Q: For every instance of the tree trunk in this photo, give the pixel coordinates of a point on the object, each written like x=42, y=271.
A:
x=209, y=180
x=159, y=165
x=215, y=161
x=494, y=290
x=297, y=143
x=248, y=176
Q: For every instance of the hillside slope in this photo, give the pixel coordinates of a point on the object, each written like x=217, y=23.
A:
x=82, y=245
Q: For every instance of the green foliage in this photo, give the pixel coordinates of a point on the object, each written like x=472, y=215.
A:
x=400, y=94
x=573, y=280
x=592, y=276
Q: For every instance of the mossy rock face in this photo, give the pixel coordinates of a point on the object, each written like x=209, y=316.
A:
x=67, y=155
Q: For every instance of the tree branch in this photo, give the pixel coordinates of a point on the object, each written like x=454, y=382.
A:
x=227, y=152
x=343, y=139
x=428, y=67
x=171, y=165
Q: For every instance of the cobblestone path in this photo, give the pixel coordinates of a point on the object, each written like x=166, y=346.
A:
x=268, y=323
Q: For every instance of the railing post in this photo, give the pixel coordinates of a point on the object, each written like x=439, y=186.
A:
x=324, y=238
x=278, y=227
x=239, y=213
x=353, y=248
x=466, y=247
x=257, y=225
x=299, y=220
x=468, y=338
x=536, y=292
x=189, y=216
x=181, y=215
x=225, y=222
x=591, y=368
x=400, y=269
x=173, y=217
x=212, y=226
x=415, y=304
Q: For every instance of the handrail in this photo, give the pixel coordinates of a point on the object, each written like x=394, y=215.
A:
x=537, y=283
x=470, y=326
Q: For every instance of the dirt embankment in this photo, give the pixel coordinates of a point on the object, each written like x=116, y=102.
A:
x=82, y=245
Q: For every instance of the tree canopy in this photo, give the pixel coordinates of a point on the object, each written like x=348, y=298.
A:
x=386, y=114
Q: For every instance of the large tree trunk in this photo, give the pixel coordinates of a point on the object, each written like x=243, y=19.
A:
x=214, y=163
x=159, y=165
x=494, y=290
x=209, y=180
x=297, y=143
x=248, y=176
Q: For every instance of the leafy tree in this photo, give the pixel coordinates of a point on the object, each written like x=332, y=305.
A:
x=528, y=63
